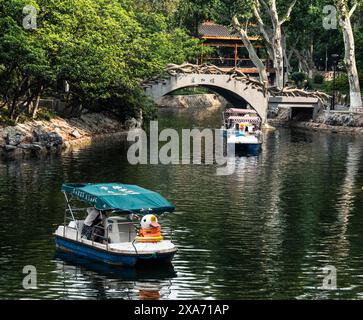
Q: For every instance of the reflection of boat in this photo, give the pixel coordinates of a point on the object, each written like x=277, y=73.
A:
x=140, y=282
x=243, y=129
x=162, y=272
x=108, y=234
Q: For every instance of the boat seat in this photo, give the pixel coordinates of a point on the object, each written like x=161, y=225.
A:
x=127, y=232
x=80, y=223
x=121, y=231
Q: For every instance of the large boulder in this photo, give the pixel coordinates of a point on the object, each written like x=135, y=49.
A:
x=10, y=147
x=340, y=119
x=132, y=124
x=30, y=146
x=76, y=134
x=47, y=139
x=14, y=139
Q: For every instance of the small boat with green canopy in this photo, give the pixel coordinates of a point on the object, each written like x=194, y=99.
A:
x=119, y=224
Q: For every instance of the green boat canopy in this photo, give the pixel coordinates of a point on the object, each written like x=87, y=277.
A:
x=120, y=197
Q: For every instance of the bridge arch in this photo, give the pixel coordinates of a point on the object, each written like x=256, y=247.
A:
x=223, y=84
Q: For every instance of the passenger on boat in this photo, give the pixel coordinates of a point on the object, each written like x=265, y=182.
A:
x=92, y=224
x=258, y=134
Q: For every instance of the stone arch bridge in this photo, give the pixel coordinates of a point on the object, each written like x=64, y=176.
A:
x=236, y=87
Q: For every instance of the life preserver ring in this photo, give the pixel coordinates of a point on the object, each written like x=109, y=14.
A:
x=149, y=235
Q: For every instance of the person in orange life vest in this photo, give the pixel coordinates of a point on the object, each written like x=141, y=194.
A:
x=149, y=226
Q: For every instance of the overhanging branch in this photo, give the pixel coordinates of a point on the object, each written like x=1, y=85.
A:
x=288, y=13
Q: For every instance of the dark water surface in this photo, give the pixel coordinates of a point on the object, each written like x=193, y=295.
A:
x=265, y=231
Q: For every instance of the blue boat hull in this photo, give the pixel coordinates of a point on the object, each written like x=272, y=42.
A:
x=142, y=271
x=248, y=147
x=244, y=148
x=112, y=258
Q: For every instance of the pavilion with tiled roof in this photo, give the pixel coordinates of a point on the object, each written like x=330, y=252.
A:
x=229, y=49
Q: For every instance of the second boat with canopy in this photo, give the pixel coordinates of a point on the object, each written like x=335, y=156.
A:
x=243, y=129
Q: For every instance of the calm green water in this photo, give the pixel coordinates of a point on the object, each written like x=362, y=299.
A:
x=264, y=232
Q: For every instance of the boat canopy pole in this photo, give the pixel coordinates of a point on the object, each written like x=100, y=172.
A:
x=71, y=211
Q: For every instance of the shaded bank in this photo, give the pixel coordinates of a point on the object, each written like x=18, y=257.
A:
x=58, y=134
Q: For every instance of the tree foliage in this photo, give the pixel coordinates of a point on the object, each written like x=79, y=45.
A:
x=105, y=48
x=102, y=48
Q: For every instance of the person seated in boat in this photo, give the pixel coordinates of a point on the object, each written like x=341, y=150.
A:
x=99, y=229
x=94, y=219
x=242, y=129
x=258, y=134
x=245, y=129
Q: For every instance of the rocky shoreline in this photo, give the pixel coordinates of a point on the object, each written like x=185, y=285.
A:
x=315, y=126
x=328, y=121
x=59, y=135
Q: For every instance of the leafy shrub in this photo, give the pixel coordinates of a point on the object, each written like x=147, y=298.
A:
x=318, y=78
x=45, y=114
x=298, y=78
x=6, y=121
x=341, y=84
x=308, y=84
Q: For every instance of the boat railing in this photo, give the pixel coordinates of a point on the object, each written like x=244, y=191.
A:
x=76, y=209
x=104, y=237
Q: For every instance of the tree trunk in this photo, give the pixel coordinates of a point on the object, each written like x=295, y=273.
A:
x=252, y=53
x=306, y=63
x=350, y=62
x=310, y=59
x=287, y=58
x=35, y=107
x=22, y=107
x=273, y=37
x=278, y=57
x=37, y=101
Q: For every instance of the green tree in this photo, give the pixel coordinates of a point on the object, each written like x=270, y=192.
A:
x=102, y=48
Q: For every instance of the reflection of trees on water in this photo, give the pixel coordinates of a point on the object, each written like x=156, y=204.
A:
x=345, y=201
x=276, y=218
x=264, y=231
